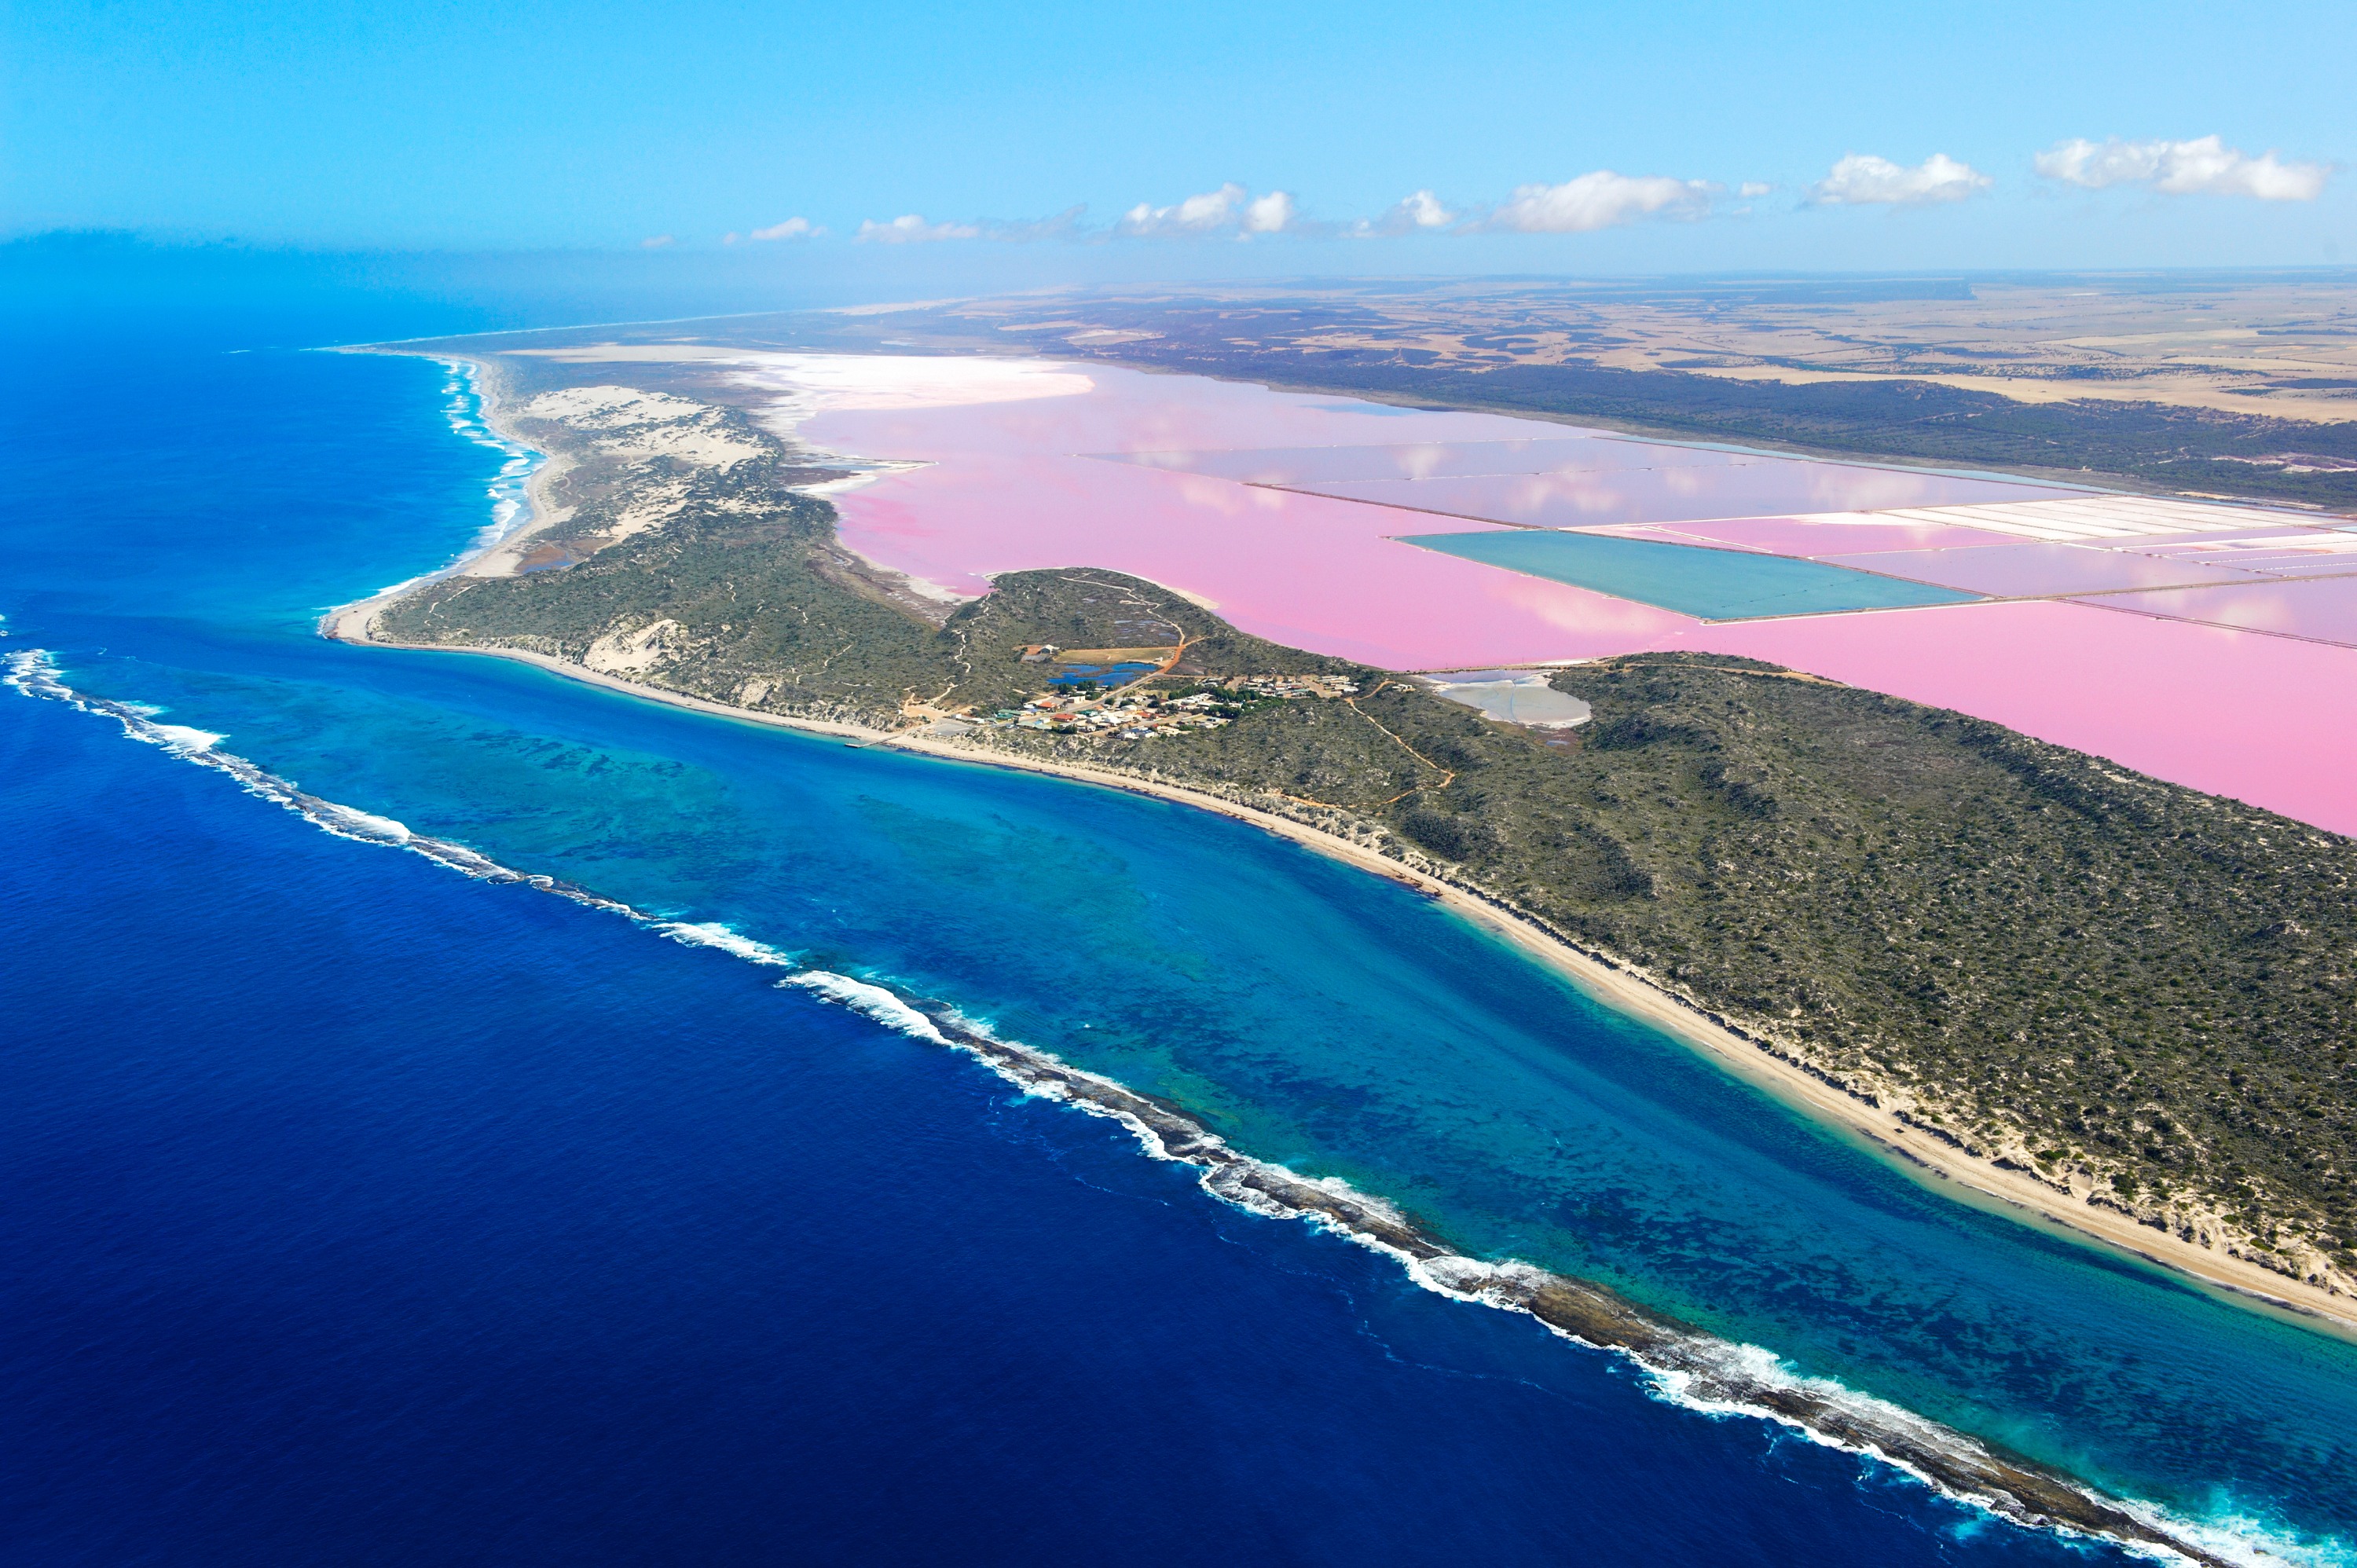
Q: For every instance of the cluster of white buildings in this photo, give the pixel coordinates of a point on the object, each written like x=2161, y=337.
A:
x=1139, y=713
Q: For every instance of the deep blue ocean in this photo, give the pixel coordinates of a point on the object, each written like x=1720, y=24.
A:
x=354, y=1211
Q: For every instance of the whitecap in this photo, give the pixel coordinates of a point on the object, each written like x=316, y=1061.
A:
x=873, y=1000
x=510, y=491
x=713, y=934
x=182, y=737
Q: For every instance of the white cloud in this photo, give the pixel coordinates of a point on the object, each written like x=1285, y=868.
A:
x=1230, y=209
x=1204, y=214
x=791, y=228
x=1752, y=188
x=1420, y=213
x=654, y=241
x=1599, y=200
x=2205, y=165
x=1863, y=179
x=909, y=229
x=1424, y=211
x=1268, y=214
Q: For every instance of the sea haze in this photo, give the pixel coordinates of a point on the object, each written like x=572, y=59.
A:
x=365, y=1211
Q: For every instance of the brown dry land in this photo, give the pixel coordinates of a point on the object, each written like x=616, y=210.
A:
x=2238, y=385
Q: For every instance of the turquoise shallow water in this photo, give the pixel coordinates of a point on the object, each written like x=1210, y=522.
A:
x=1716, y=584
x=1341, y=1025
x=1312, y=1015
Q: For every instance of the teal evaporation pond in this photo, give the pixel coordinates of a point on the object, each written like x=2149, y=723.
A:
x=1714, y=584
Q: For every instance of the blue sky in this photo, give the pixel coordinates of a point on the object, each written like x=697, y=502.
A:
x=1546, y=138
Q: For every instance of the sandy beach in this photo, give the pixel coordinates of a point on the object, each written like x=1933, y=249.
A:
x=1920, y=1154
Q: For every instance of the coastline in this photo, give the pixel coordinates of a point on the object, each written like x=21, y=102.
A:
x=500, y=551
x=1927, y=1158
x=1688, y=1367
x=1917, y=1152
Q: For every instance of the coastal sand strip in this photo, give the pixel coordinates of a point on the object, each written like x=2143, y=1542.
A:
x=1918, y=1152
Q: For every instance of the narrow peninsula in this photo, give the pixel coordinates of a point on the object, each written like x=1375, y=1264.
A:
x=2115, y=1000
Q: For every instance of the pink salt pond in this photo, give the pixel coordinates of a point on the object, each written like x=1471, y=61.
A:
x=2324, y=610
x=1674, y=492
x=2018, y=570
x=1812, y=538
x=1168, y=479
x=1307, y=467
x=1007, y=486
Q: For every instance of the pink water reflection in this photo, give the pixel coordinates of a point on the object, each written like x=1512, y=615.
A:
x=1302, y=570
x=2024, y=571
x=1814, y=539
x=1678, y=493
x=1132, y=413
x=1309, y=467
x=2265, y=719
x=1008, y=489
x=2325, y=610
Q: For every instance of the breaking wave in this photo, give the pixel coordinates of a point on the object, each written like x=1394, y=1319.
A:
x=1682, y=1365
x=32, y=673
x=465, y=406
x=510, y=491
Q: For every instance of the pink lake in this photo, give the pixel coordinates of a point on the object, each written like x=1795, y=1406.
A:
x=2324, y=610
x=1011, y=484
x=2018, y=570
x=1814, y=537
x=1309, y=467
x=1679, y=492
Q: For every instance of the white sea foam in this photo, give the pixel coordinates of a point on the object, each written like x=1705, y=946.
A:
x=33, y=673
x=873, y=1000
x=713, y=934
x=1715, y=1365
x=181, y=738
x=510, y=488
x=2243, y=1540
x=1694, y=1370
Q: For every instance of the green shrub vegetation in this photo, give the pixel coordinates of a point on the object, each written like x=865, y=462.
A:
x=2118, y=983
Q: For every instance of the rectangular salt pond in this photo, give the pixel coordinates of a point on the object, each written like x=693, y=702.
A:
x=1824, y=538
x=2038, y=569
x=1683, y=492
x=2321, y=554
x=2318, y=610
x=1713, y=585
